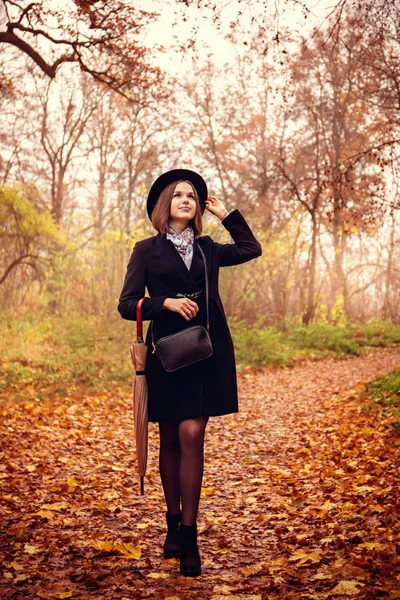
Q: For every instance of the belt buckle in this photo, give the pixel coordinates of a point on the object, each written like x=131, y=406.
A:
x=194, y=295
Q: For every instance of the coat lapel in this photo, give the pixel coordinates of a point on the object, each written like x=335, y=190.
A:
x=170, y=259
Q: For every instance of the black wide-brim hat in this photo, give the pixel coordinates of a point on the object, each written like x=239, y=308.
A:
x=177, y=175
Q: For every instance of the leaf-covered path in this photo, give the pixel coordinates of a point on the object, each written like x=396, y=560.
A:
x=300, y=496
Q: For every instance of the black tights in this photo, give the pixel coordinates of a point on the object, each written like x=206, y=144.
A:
x=181, y=465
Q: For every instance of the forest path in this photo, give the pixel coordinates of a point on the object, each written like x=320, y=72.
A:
x=299, y=495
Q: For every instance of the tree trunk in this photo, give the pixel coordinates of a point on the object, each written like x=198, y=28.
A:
x=309, y=314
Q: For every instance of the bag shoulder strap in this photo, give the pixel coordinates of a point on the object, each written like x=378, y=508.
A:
x=207, y=291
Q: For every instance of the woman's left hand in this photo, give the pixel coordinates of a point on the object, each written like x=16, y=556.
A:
x=216, y=207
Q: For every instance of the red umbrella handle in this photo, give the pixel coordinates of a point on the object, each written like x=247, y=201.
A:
x=139, y=320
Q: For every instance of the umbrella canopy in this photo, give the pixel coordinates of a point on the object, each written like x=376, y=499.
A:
x=138, y=354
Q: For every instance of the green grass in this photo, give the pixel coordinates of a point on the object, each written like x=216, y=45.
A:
x=45, y=355
x=383, y=394
x=270, y=346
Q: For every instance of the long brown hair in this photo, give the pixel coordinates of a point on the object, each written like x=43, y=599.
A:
x=161, y=212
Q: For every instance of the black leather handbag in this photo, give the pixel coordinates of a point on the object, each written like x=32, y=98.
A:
x=189, y=346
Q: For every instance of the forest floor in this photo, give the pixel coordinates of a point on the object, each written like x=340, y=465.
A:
x=300, y=495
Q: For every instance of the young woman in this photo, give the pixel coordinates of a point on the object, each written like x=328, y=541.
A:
x=171, y=267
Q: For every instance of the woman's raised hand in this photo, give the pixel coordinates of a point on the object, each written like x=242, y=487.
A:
x=184, y=306
x=216, y=207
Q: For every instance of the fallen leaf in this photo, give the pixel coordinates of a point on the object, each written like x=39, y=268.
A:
x=45, y=513
x=16, y=566
x=321, y=576
x=372, y=545
x=224, y=597
x=72, y=482
x=127, y=550
x=31, y=549
x=347, y=588
x=304, y=557
x=55, y=506
x=253, y=569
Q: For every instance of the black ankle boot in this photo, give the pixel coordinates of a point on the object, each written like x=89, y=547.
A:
x=171, y=545
x=190, y=557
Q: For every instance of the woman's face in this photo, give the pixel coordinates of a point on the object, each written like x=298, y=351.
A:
x=183, y=204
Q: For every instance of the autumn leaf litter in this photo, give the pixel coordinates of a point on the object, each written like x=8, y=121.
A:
x=299, y=500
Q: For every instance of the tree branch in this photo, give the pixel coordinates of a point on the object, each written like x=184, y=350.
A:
x=8, y=37
x=14, y=264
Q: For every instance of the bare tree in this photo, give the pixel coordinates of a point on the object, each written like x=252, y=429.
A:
x=61, y=131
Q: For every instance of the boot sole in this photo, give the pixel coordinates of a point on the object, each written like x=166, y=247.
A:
x=175, y=554
x=190, y=572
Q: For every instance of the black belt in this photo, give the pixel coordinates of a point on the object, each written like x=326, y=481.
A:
x=194, y=295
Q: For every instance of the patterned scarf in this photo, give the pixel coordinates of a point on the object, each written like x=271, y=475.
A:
x=183, y=242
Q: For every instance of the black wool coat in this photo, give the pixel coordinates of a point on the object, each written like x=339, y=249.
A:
x=207, y=388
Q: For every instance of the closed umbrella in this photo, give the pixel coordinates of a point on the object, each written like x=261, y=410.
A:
x=138, y=353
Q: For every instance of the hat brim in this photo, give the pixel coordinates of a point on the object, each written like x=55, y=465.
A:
x=177, y=175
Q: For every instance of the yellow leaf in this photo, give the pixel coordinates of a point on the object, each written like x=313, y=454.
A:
x=158, y=575
x=72, y=482
x=130, y=551
x=253, y=569
x=127, y=550
x=372, y=546
x=15, y=566
x=207, y=491
x=4, y=475
x=307, y=468
x=367, y=430
x=346, y=588
x=327, y=506
x=321, y=576
x=224, y=589
x=251, y=500
x=304, y=557
x=354, y=229
x=64, y=595
x=21, y=577
x=221, y=550
x=31, y=549
x=115, y=468
x=55, y=506
x=107, y=546
x=172, y=598
x=111, y=495
x=45, y=513
x=224, y=597
x=30, y=468
x=363, y=488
